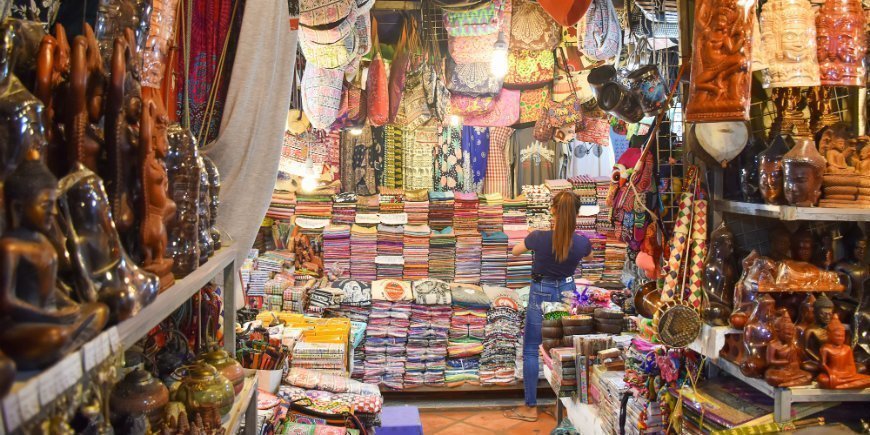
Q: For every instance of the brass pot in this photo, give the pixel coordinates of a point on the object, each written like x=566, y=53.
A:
x=227, y=366
x=138, y=394
x=202, y=389
x=647, y=300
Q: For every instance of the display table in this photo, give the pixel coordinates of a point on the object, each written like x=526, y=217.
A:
x=581, y=415
x=246, y=403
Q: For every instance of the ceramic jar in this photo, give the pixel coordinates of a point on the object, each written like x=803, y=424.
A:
x=228, y=367
x=802, y=169
x=203, y=390
x=646, y=83
x=841, y=43
x=788, y=32
x=138, y=394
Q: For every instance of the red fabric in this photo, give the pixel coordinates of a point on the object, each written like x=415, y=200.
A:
x=378, y=98
x=566, y=12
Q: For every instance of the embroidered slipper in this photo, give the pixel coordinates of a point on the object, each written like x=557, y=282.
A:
x=514, y=415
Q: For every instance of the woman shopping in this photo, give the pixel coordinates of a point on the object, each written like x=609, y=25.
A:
x=556, y=255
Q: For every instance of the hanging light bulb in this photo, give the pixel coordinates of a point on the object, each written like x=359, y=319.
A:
x=309, y=183
x=455, y=120
x=498, y=64
x=356, y=131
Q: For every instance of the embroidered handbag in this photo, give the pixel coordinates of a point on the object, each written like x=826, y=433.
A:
x=321, y=95
x=566, y=112
x=472, y=78
x=602, y=36
x=484, y=20
x=413, y=111
x=356, y=101
x=377, y=94
x=594, y=130
x=323, y=12
x=568, y=72
x=331, y=34
x=543, y=131
x=470, y=49
x=532, y=28
x=529, y=69
x=363, y=29
x=532, y=103
x=505, y=111
x=332, y=55
x=400, y=64
x=566, y=12
x=470, y=105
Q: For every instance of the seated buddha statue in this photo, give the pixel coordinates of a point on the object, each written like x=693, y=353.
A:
x=863, y=161
x=719, y=277
x=853, y=265
x=817, y=335
x=745, y=293
x=836, y=145
x=806, y=320
x=783, y=357
x=757, y=333
x=838, y=361
x=41, y=322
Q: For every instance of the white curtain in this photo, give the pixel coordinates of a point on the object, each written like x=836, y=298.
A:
x=252, y=129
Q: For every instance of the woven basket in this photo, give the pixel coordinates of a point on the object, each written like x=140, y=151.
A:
x=676, y=324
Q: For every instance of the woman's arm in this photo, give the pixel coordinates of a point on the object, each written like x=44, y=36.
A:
x=520, y=249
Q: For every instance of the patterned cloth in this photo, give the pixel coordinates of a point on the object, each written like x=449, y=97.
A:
x=475, y=148
x=497, y=172
x=419, y=146
x=448, y=173
x=392, y=157
x=359, y=162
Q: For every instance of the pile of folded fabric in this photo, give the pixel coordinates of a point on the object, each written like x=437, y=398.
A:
x=368, y=204
x=494, y=259
x=387, y=333
x=390, y=263
x=356, y=306
x=584, y=187
x=333, y=394
x=538, y=207
x=593, y=269
x=515, y=212
x=556, y=186
x=504, y=326
x=614, y=261
x=418, y=212
x=603, y=224
x=323, y=357
x=314, y=206
x=427, y=337
x=467, y=331
x=468, y=250
x=363, y=250
x=344, y=208
x=440, y=210
x=519, y=268
x=282, y=206
x=392, y=200
x=491, y=212
x=322, y=298
x=336, y=250
x=442, y=254
x=295, y=299
x=274, y=289
x=416, y=252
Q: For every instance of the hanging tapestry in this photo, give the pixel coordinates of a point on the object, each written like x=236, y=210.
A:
x=379, y=147
x=420, y=145
x=475, y=147
x=448, y=174
x=392, y=156
x=358, y=163
x=497, y=178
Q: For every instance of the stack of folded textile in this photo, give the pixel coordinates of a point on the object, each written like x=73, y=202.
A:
x=336, y=250
x=271, y=261
x=323, y=357
x=322, y=298
x=494, y=259
x=614, y=261
x=491, y=212
x=442, y=254
x=467, y=331
x=468, y=250
x=332, y=394
x=314, y=206
x=294, y=299
x=418, y=212
x=368, y=204
x=519, y=268
x=440, y=210
x=385, y=346
x=465, y=212
x=515, y=212
x=538, y=208
x=363, y=250
x=356, y=306
x=603, y=223
x=344, y=208
x=416, y=252
x=584, y=187
x=390, y=263
x=593, y=269
x=556, y=186
x=282, y=206
x=274, y=289
x=504, y=325
x=392, y=200
x=427, y=345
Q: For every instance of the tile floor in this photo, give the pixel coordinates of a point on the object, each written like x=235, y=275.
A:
x=482, y=422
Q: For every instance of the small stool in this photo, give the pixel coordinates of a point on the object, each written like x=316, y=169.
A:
x=400, y=420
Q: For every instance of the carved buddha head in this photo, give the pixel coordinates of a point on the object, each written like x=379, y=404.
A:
x=770, y=175
x=803, y=245
x=841, y=46
x=780, y=244
x=836, y=331
x=823, y=310
x=802, y=169
x=788, y=29
x=722, y=242
x=31, y=193
x=785, y=329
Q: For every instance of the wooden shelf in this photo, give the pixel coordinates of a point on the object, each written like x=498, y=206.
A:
x=791, y=213
x=518, y=386
x=233, y=420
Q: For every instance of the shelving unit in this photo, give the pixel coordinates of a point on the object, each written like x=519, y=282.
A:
x=35, y=391
x=581, y=415
x=245, y=403
x=791, y=213
x=783, y=398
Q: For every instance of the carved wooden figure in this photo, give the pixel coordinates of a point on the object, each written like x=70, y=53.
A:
x=838, y=361
x=841, y=43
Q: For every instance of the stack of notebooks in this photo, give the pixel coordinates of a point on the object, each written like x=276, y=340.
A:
x=519, y=268
x=418, y=212
x=494, y=259
x=336, y=250
x=314, y=206
x=390, y=263
x=416, y=252
x=440, y=210
x=427, y=345
x=363, y=250
x=564, y=369
x=491, y=212
x=504, y=325
x=385, y=345
x=442, y=254
x=344, y=208
x=468, y=250
x=282, y=206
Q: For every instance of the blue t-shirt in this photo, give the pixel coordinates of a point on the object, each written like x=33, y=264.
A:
x=545, y=264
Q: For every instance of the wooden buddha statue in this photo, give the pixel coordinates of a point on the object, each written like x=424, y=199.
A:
x=745, y=293
x=757, y=333
x=853, y=265
x=42, y=324
x=817, y=335
x=770, y=176
x=784, y=357
x=837, y=361
x=719, y=277
x=806, y=320
x=803, y=168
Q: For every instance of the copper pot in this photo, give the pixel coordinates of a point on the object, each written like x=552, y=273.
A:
x=138, y=394
x=229, y=367
x=647, y=300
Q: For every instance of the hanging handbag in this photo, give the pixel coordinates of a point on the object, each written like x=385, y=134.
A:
x=363, y=29
x=356, y=101
x=603, y=35
x=505, y=111
x=479, y=48
x=472, y=78
x=413, y=111
x=543, y=130
x=532, y=28
x=529, y=69
x=321, y=95
x=400, y=64
x=480, y=21
x=323, y=13
x=566, y=12
x=377, y=93
x=297, y=122
x=570, y=72
x=330, y=55
x=470, y=105
x=532, y=103
x=568, y=112
x=437, y=95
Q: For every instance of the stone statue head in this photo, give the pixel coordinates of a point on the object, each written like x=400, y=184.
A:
x=823, y=309
x=803, y=243
x=788, y=30
x=30, y=193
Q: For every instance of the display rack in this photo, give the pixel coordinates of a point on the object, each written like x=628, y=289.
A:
x=34, y=392
x=246, y=403
x=792, y=213
x=783, y=398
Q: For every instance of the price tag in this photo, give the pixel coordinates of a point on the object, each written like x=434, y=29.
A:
x=28, y=401
x=115, y=340
x=11, y=412
x=49, y=384
x=71, y=370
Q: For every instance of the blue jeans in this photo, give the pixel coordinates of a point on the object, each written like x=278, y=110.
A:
x=548, y=290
